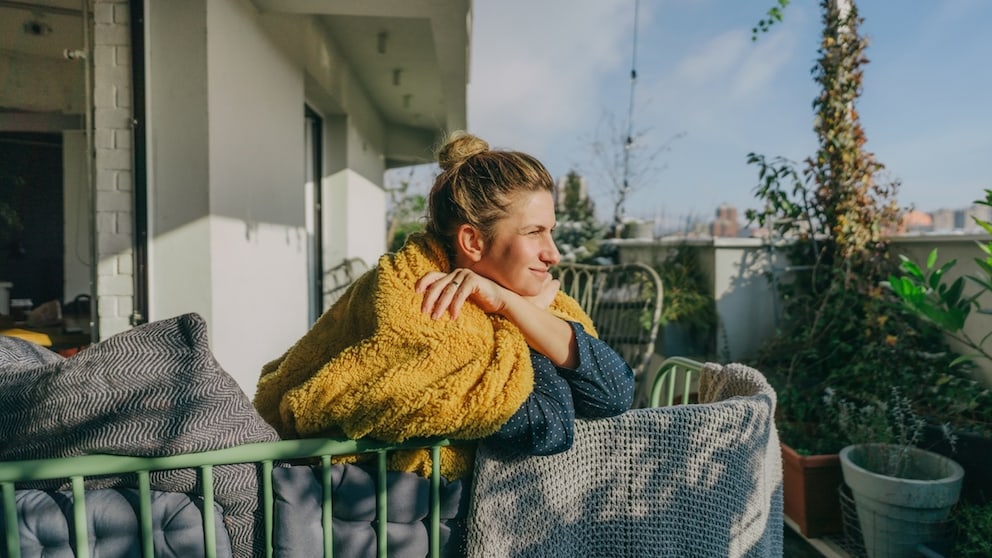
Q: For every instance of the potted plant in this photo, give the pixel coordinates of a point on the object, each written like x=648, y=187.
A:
x=928, y=294
x=688, y=315
x=903, y=493
x=926, y=291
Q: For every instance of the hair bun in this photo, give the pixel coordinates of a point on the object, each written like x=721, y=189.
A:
x=459, y=147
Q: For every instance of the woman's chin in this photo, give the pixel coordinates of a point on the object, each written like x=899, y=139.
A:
x=531, y=288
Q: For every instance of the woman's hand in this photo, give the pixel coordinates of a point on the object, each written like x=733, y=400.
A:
x=447, y=292
x=544, y=332
x=544, y=299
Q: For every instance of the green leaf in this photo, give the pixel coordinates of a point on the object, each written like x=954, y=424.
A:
x=954, y=293
x=899, y=286
x=960, y=359
x=983, y=283
x=943, y=269
x=932, y=258
x=985, y=265
x=911, y=268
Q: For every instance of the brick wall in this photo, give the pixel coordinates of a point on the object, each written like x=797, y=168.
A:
x=112, y=117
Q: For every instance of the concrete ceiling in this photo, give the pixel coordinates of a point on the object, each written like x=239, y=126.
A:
x=43, y=29
x=410, y=55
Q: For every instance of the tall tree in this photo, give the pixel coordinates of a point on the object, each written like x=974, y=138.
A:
x=625, y=161
x=838, y=330
x=577, y=233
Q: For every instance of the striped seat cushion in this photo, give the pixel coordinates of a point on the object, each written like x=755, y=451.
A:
x=155, y=390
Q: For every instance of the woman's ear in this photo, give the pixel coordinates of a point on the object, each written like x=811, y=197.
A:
x=470, y=242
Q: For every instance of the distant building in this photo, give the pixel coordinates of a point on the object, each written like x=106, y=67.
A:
x=915, y=222
x=725, y=223
x=947, y=219
x=960, y=218
x=981, y=212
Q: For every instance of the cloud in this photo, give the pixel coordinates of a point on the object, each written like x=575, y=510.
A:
x=762, y=64
x=537, y=67
x=717, y=85
x=713, y=60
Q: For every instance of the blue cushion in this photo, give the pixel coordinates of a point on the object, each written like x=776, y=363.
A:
x=112, y=519
x=297, y=495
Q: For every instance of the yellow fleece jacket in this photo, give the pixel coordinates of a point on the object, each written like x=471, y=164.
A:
x=375, y=366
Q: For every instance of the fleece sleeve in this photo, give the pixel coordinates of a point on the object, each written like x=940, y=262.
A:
x=601, y=385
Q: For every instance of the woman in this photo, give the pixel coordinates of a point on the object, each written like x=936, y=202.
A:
x=463, y=333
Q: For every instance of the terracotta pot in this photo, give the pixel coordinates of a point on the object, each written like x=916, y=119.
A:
x=810, y=484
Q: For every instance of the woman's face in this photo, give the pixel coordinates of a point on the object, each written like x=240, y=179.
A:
x=521, y=251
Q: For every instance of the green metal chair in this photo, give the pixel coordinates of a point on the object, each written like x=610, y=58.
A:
x=624, y=302
x=675, y=382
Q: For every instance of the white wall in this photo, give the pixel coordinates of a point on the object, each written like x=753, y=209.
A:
x=227, y=92
x=260, y=298
x=745, y=301
x=747, y=306
x=257, y=193
x=178, y=160
x=40, y=84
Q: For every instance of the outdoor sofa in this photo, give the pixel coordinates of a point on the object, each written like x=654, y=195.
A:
x=152, y=431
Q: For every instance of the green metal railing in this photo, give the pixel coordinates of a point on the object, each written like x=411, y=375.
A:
x=77, y=469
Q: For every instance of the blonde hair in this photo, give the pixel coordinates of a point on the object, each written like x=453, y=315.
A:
x=477, y=185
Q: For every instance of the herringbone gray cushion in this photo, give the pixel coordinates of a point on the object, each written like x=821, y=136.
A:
x=155, y=390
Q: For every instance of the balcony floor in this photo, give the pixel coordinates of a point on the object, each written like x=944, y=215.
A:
x=795, y=545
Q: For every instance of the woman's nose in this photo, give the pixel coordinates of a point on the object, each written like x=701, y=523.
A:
x=551, y=255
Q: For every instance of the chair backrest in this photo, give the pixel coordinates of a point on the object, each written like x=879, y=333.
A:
x=624, y=302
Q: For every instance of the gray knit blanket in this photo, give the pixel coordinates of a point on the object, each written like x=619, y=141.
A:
x=693, y=480
x=155, y=390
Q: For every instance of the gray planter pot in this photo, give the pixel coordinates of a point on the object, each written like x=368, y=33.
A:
x=898, y=514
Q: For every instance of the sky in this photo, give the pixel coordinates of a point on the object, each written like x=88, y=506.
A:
x=550, y=76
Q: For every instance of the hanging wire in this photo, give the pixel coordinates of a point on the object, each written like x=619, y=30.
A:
x=633, y=77
x=629, y=141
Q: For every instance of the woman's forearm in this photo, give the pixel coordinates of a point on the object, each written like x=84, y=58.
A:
x=545, y=333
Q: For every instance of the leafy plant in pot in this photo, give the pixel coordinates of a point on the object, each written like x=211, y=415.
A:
x=927, y=291
x=688, y=315
x=929, y=295
x=903, y=493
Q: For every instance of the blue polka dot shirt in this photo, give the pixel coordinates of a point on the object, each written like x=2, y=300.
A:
x=602, y=385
